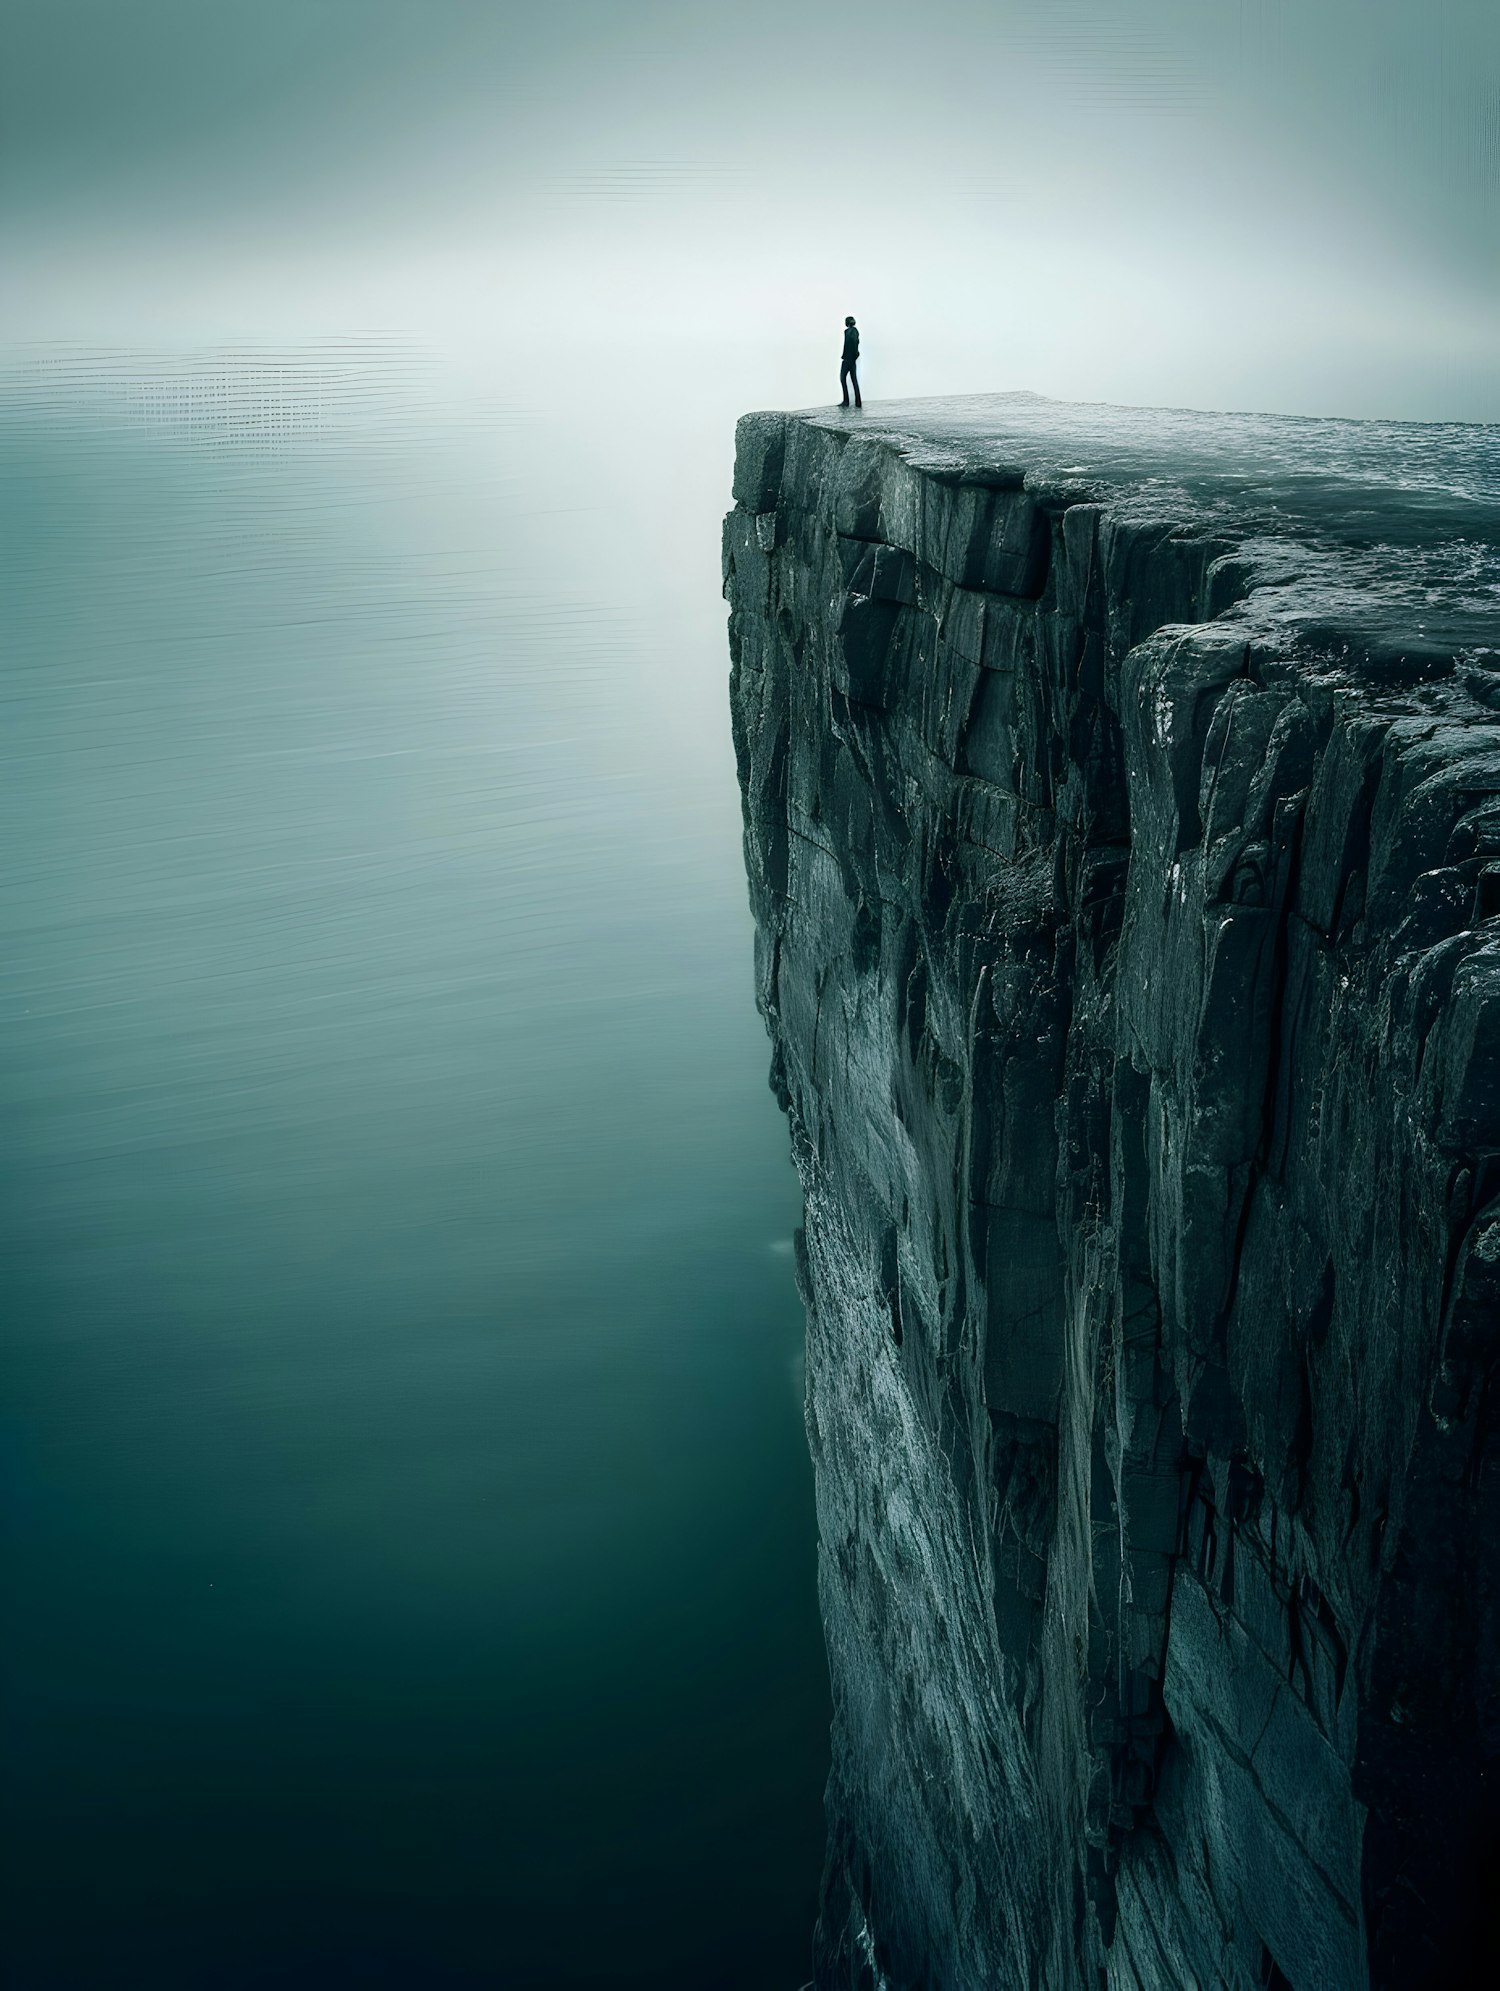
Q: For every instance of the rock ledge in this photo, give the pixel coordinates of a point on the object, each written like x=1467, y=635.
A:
x=1122, y=819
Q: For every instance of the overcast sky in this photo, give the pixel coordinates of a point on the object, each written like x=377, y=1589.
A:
x=1224, y=202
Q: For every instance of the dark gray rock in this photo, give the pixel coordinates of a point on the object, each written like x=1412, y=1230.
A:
x=1122, y=820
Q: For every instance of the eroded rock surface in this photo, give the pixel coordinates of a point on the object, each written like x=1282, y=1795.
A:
x=1122, y=805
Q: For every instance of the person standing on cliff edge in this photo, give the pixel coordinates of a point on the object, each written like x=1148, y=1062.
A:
x=849, y=370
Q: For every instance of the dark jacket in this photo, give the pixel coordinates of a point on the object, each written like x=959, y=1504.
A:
x=851, y=344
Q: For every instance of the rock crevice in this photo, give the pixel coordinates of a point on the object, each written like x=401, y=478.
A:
x=1122, y=821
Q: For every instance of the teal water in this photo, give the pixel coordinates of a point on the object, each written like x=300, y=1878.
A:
x=409, y=1533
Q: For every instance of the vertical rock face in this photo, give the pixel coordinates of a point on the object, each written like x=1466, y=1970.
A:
x=1122, y=817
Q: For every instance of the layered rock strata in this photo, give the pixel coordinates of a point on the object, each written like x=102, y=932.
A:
x=1122, y=818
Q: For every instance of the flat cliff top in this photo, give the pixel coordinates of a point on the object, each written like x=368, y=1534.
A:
x=1383, y=533
x=1122, y=826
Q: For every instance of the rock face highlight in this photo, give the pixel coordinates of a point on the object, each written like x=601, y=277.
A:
x=1122, y=819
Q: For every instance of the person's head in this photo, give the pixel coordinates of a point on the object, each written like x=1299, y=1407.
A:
x=848, y=321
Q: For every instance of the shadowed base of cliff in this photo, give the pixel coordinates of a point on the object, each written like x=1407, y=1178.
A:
x=1122, y=820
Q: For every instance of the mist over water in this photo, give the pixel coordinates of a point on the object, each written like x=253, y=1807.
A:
x=1228, y=204
x=411, y=1553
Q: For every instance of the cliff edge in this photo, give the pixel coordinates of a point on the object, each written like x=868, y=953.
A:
x=1122, y=819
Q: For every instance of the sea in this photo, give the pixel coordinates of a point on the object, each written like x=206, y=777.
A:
x=409, y=1552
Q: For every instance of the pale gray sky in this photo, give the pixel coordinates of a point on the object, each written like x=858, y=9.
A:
x=1226, y=202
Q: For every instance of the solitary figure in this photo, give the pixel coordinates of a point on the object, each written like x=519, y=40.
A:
x=849, y=371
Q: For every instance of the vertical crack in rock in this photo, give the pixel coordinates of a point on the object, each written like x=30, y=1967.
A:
x=1122, y=821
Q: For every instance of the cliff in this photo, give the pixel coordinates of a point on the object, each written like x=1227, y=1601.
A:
x=1122, y=818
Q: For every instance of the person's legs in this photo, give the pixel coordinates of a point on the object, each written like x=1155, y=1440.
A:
x=844, y=382
x=854, y=376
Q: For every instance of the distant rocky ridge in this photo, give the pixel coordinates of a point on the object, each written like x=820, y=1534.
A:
x=1122, y=819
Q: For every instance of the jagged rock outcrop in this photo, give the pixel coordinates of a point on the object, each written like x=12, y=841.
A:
x=1122, y=817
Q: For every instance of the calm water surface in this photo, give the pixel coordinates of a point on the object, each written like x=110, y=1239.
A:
x=409, y=1534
